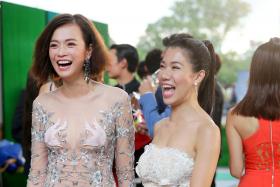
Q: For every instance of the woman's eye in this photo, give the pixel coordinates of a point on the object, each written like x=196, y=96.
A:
x=53, y=45
x=71, y=44
x=175, y=67
x=161, y=66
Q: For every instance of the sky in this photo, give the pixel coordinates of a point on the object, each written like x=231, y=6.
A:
x=128, y=19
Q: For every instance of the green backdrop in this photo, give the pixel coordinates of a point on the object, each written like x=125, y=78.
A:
x=20, y=28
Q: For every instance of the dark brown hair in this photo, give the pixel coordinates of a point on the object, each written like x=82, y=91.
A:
x=42, y=68
x=218, y=63
x=128, y=52
x=263, y=95
x=153, y=59
x=201, y=58
x=30, y=93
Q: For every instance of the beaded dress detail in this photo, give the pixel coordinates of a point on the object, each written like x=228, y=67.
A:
x=74, y=143
x=164, y=167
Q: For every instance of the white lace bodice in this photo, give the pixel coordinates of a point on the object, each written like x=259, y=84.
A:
x=164, y=167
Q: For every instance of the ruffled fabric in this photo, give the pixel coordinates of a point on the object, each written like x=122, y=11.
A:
x=164, y=167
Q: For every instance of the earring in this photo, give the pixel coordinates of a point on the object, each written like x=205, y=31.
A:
x=195, y=88
x=87, y=70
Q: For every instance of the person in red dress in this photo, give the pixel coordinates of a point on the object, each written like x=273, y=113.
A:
x=253, y=125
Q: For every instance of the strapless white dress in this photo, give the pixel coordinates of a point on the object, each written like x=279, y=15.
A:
x=164, y=167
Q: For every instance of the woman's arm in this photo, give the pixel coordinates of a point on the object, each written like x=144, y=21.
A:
x=124, y=152
x=207, y=155
x=150, y=111
x=39, y=153
x=235, y=147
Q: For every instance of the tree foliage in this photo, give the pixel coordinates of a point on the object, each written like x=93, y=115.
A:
x=204, y=19
x=233, y=63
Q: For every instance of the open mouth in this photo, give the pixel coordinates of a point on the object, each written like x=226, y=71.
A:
x=168, y=90
x=64, y=64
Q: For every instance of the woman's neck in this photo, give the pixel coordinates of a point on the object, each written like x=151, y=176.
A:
x=77, y=88
x=187, y=107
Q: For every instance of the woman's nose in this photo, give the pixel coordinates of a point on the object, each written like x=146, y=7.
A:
x=164, y=74
x=61, y=50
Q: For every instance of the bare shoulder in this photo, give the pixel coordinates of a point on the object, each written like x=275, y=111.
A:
x=236, y=120
x=111, y=92
x=232, y=118
x=245, y=125
x=45, y=98
x=208, y=131
x=45, y=88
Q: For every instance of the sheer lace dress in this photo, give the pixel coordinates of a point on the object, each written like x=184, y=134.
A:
x=74, y=141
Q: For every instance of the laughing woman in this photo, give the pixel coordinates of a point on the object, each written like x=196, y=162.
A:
x=79, y=128
x=186, y=145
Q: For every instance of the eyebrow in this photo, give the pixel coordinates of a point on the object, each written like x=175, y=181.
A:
x=67, y=40
x=173, y=62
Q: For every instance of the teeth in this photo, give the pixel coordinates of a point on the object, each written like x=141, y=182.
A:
x=165, y=86
x=63, y=62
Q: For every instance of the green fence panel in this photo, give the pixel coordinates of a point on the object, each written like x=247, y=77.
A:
x=20, y=28
x=50, y=16
x=103, y=29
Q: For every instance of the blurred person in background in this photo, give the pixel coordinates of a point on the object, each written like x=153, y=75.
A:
x=122, y=66
x=151, y=100
x=142, y=70
x=253, y=125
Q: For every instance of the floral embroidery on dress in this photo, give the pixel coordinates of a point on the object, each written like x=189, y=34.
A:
x=57, y=163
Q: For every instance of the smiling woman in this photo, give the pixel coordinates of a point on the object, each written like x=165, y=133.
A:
x=186, y=145
x=82, y=126
x=68, y=54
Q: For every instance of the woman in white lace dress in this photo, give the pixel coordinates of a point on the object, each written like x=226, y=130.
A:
x=82, y=126
x=186, y=145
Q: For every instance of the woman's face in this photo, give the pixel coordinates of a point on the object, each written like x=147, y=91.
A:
x=176, y=76
x=67, y=52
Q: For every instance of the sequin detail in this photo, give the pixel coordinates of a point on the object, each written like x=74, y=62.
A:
x=56, y=163
x=164, y=167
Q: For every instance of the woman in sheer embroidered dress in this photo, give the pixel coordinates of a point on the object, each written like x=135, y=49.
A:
x=80, y=127
x=186, y=145
x=253, y=125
